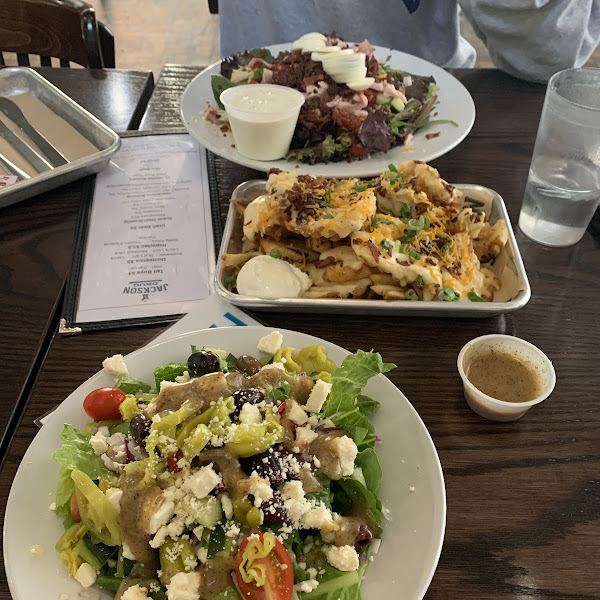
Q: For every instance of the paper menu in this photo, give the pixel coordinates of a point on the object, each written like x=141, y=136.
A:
x=149, y=249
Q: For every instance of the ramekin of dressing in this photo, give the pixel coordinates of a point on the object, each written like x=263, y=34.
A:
x=262, y=118
x=504, y=376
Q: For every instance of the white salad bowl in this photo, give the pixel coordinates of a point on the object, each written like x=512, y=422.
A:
x=412, y=489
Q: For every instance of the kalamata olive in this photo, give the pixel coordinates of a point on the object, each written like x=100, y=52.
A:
x=273, y=509
x=364, y=537
x=251, y=395
x=248, y=364
x=202, y=362
x=267, y=465
x=139, y=429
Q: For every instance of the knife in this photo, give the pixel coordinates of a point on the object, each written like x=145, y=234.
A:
x=14, y=113
x=39, y=163
x=11, y=168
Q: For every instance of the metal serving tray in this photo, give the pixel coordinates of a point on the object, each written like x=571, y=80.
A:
x=510, y=257
x=89, y=153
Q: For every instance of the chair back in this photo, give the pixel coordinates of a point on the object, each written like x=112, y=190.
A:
x=62, y=29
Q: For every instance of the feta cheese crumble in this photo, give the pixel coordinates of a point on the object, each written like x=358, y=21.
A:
x=250, y=414
x=135, y=592
x=271, y=343
x=317, y=397
x=86, y=575
x=343, y=558
x=346, y=451
x=115, y=365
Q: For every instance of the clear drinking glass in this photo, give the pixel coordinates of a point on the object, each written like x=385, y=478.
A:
x=563, y=187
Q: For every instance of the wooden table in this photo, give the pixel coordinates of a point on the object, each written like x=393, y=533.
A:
x=36, y=236
x=523, y=497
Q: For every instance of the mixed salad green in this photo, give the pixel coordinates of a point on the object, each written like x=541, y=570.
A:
x=227, y=477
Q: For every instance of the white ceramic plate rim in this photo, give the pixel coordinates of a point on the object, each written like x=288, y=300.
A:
x=34, y=485
x=455, y=103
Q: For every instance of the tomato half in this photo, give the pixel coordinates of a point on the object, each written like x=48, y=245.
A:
x=279, y=583
x=358, y=151
x=75, y=508
x=103, y=404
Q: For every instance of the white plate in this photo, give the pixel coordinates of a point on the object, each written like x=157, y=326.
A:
x=412, y=538
x=455, y=103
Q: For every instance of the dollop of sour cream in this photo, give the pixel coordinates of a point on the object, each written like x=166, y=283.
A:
x=267, y=277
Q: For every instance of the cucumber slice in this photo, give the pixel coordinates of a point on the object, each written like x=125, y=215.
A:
x=397, y=104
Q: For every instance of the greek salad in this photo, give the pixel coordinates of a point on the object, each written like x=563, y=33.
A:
x=356, y=104
x=250, y=477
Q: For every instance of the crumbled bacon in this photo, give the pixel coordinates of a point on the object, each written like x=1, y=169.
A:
x=430, y=136
x=327, y=262
x=373, y=248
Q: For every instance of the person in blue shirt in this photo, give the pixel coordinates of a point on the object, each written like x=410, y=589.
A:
x=530, y=39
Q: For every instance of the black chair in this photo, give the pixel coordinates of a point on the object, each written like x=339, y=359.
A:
x=64, y=29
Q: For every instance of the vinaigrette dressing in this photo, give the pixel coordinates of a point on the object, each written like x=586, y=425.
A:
x=505, y=376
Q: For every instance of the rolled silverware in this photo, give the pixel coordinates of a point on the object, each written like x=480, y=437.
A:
x=14, y=113
x=39, y=163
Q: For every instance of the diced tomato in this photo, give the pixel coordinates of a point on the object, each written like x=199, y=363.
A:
x=371, y=96
x=346, y=119
x=103, y=404
x=75, y=508
x=172, y=461
x=358, y=151
x=279, y=584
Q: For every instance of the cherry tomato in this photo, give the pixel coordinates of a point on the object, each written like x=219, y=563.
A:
x=103, y=404
x=172, y=461
x=75, y=508
x=356, y=150
x=279, y=574
x=371, y=96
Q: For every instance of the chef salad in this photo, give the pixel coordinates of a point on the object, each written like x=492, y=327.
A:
x=356, y=104
x=227, y=477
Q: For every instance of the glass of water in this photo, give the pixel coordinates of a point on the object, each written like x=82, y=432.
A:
x=563, y=187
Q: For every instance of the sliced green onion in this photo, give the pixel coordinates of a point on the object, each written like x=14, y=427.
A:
x=411, y=295
x=474, y=297
x=420, y=280
x=445, y=248
x=328, y=216
x=414, y=254
x=275, y=253
x=399, y=247
x=385, y=244
x=405, y=211
x=229, y=280
x=447, y=294
x=426, y=221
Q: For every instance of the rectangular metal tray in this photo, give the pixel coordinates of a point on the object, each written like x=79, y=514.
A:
x=18, y=81
x=232, y=241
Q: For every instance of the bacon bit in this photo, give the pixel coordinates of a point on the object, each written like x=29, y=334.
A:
x=327, y=262
x=404, y=263
x=356, y=242
x=408, y=149
x=373, y=248
x=430, y=136
x=430, y=261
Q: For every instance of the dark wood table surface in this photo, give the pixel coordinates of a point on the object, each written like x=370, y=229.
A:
x=36, y=235
x=524, y=497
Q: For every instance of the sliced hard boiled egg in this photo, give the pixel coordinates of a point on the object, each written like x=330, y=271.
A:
x=353, y=74
x=319, y=55
x=344, y=52
x=308, y=45
x=360, y=85
x=313, y=34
